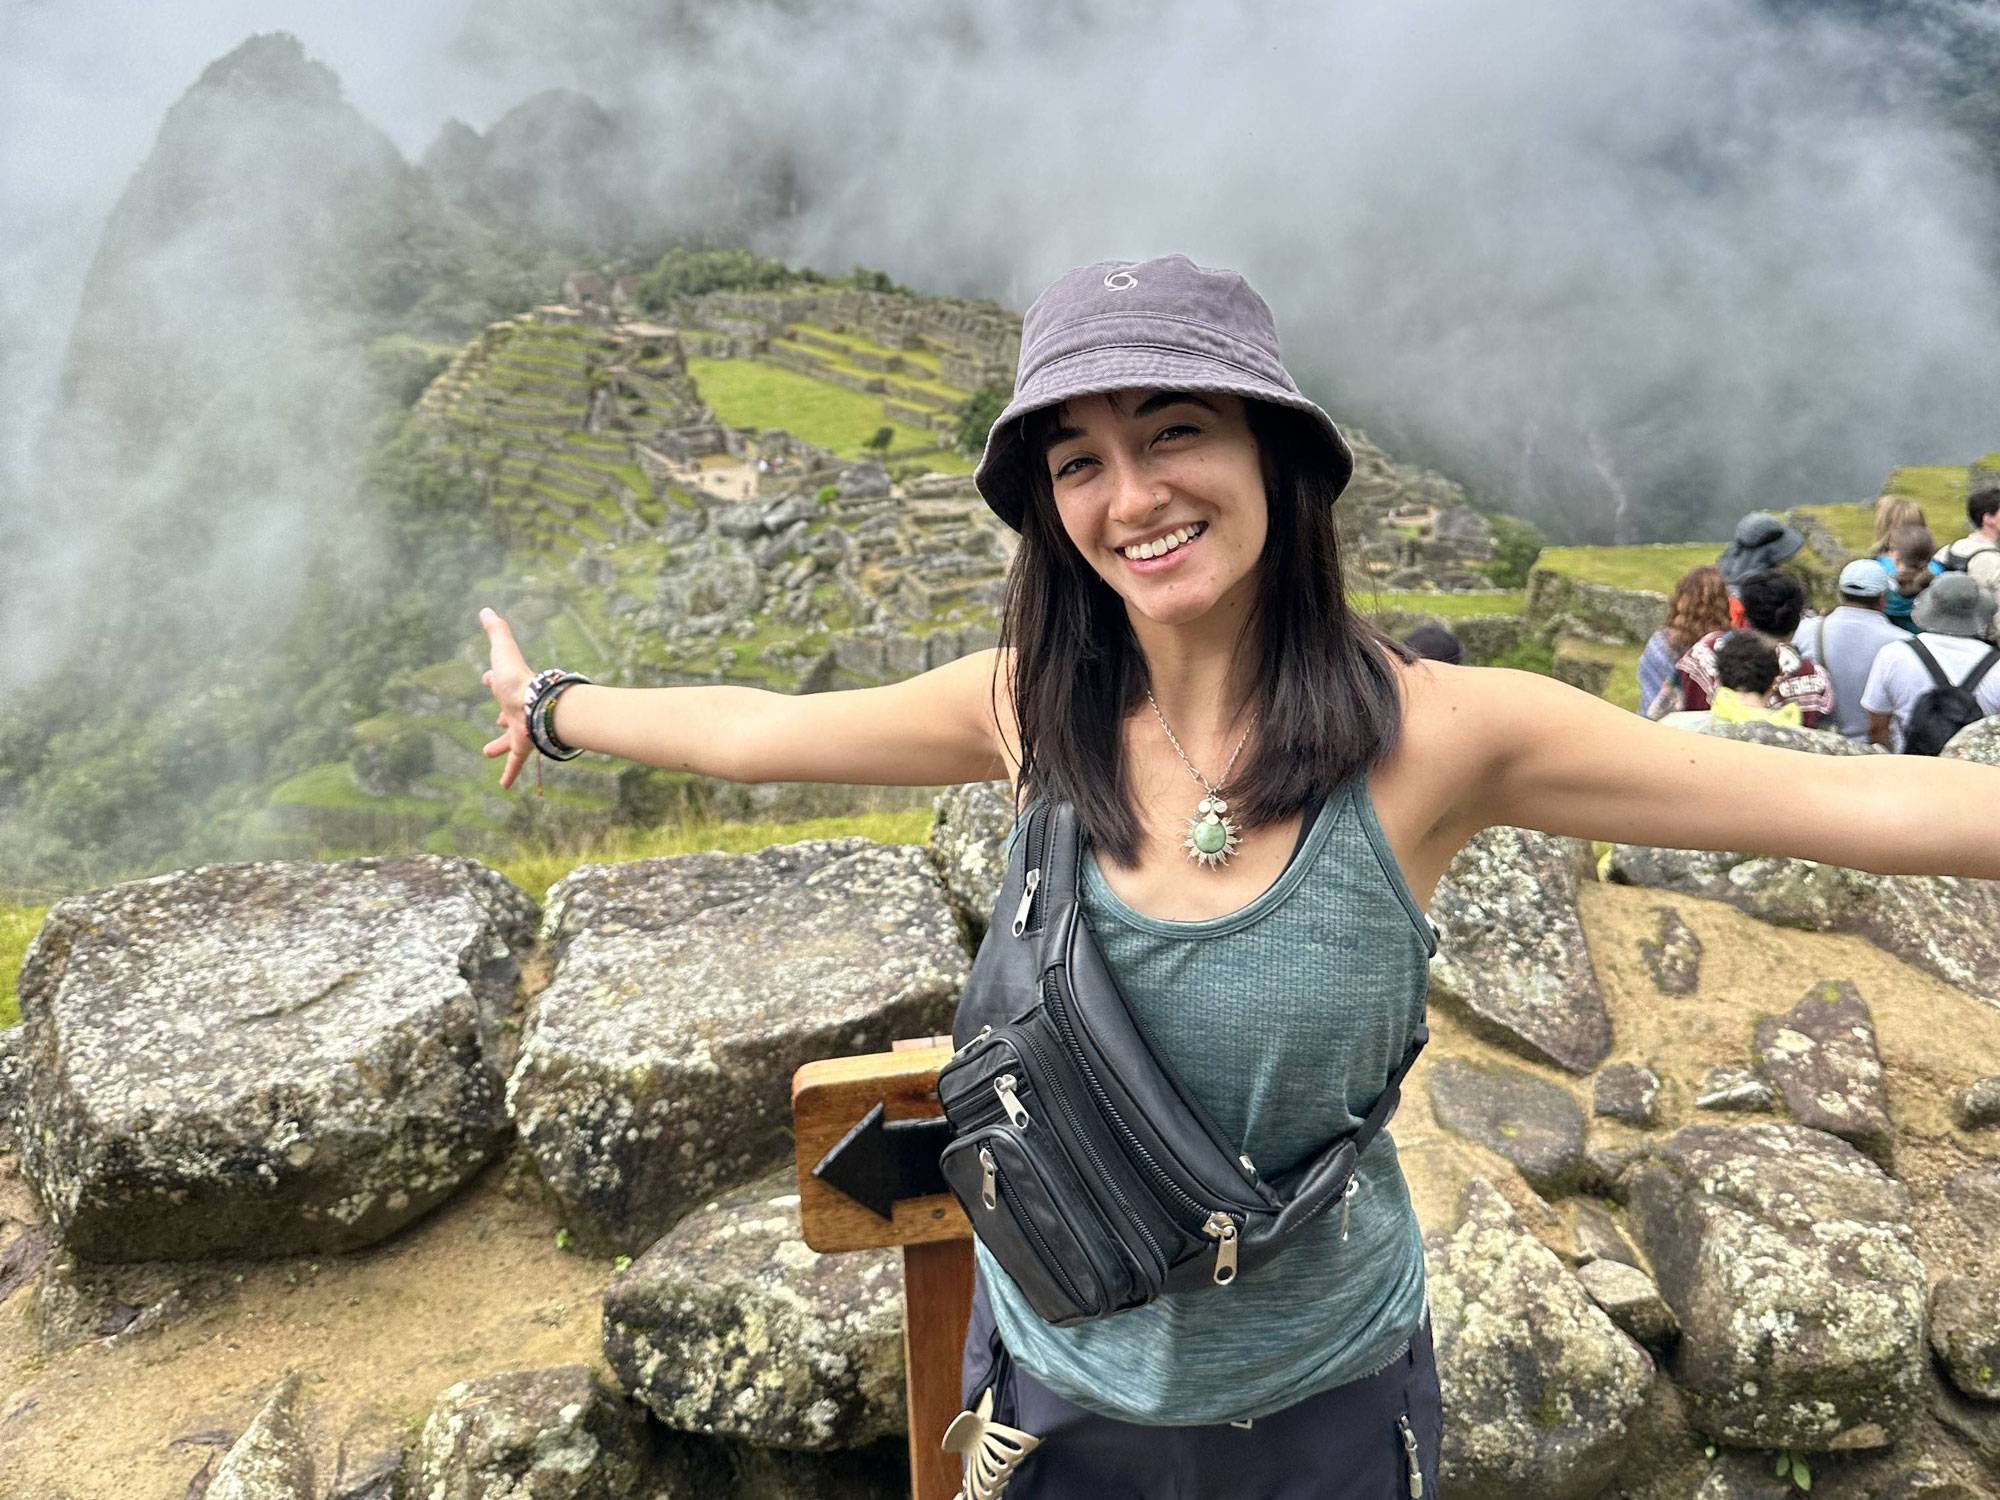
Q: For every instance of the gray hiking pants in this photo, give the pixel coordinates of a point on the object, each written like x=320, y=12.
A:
x=1371, y=1439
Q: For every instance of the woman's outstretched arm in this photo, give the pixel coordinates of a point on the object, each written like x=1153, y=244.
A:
x=1537, y=753
x=934, y=729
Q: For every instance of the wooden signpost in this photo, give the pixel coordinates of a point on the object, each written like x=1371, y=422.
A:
x=868, y=1132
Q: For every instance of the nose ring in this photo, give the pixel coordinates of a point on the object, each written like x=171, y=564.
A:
x=1160, y=502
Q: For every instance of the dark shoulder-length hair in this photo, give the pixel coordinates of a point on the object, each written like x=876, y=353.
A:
x=1326, y=700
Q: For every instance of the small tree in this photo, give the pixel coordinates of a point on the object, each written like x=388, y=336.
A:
x=879, y=443
x=975, y=418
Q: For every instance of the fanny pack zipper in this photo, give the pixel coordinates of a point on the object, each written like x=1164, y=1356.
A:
x=990, y=1174
x=1217, y=1224
x=1077, y=1132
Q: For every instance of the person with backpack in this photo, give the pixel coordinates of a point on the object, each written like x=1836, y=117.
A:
x=1844, y=644
x=1257, y=793
x=1977, y=553
x=1925, y=689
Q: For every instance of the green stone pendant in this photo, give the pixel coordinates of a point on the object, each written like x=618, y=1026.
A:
x=1212, y=836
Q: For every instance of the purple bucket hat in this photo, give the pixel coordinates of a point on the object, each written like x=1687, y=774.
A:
x=1165, y=324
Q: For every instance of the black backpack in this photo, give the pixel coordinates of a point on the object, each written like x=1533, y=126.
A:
x=1946, y=708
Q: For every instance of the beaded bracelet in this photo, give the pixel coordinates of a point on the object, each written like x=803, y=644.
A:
x=543, y=690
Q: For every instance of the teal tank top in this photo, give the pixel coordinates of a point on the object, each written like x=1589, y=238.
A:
x=1285, y=1019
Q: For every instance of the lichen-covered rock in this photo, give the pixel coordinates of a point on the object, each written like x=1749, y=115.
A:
x=1513, y=963
x=656, y=1067
x=1978, y=742
x=1595, y=1235
x=1788, y=737
x=1631, y=1300
x=1965, y=1332
x=1790, y=1261
x=265, y=1059
x=1930, y=1477
x=1784, y=892
x=368, y=1457
x=1673, y=955
x=1975, y=1106
x=743, y=520
x=1974, y=1195
x=732, y=1325
x=535, y=1434
x=1943, y=924
x=1542, y=1385
x=13, y=1084
x=1628, y=1092
x=271, y=1460
x=1533, y=1123
x=1974, y=1423
x=1821, y=1057
x=969, y=843
x=1735, y=1090
x=1664, y=1458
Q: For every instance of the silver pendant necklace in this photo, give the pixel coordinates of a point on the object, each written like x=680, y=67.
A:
x=1212, y=835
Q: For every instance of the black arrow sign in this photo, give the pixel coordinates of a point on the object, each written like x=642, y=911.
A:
x=880, y=1161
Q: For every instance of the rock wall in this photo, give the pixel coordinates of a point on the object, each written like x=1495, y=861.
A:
x=1699, y=1192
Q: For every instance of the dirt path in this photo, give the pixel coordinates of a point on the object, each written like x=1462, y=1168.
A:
x=476, y=1287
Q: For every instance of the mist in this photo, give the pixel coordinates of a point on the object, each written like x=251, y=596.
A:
x=1704, y=257
x=1700, y=255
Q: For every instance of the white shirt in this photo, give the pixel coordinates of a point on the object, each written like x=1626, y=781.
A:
x=1982, y=563
x=1853, y=637
x=1898, y=678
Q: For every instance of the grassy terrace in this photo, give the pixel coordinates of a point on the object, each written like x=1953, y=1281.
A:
x=1657, y=567
x=746, y=393
x=920, y=360
x=1443, y=606
x=1622, y=688
x=908, y=386
x=1938, y=489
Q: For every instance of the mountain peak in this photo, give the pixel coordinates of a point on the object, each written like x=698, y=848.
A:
x=273, y=64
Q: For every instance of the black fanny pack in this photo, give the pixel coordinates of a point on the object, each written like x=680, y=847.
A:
x=1088, y=1170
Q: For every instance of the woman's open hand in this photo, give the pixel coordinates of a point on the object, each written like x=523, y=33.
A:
x=508, y=678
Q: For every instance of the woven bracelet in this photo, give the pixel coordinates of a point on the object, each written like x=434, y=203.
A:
x=543, y=690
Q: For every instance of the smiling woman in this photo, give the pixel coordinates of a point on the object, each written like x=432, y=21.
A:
x=1268, y=790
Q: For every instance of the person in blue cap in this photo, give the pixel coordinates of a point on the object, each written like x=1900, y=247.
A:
x=1270, y=790
x=1843, y=643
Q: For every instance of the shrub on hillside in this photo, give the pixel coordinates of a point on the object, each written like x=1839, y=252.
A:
x=685, y=272
x=976, y=417
x=1517, y=544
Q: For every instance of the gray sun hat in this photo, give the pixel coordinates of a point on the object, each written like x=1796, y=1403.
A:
x=1165, y=324
x=1762, y=541
x=1954, y=604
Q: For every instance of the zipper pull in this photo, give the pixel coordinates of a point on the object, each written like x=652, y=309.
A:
x=1016, y=1112
x=974, y=1040
x=1027, y=900
x=987, y=1175
x=1248, y=1165
x=1222, y=1229
x=1410, y=1453
x=1353, y=1185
